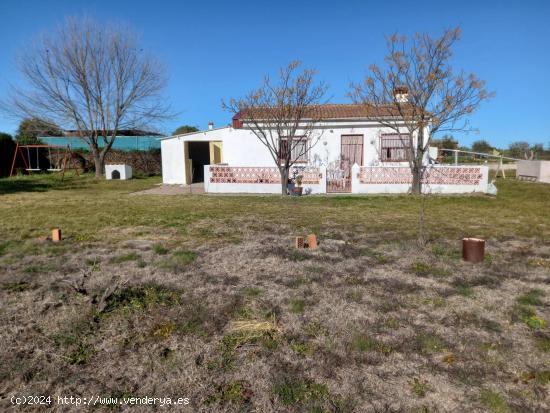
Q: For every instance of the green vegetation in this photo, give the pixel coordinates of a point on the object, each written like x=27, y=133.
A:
x=132, y=256
x=142, y=297
x=424, y=269
x=532, y=297
x=297, y=305
x=362, y=343
x=304, y=392
x=420, y=387
x=495, y=402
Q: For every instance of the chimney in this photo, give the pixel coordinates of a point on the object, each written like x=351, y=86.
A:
x=401, y=94
x=210, y=125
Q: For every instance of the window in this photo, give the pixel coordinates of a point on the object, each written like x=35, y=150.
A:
x=394, y=148
x=298, y=146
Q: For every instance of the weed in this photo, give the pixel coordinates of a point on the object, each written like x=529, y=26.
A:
x=436, y=301
x=303, y=349
x=81, y=354
x=297, y=305
x=542, y=377
x=232, y=392
x=17, y=287
x=142, y=297
x=354, y=295
x=315, y=329
x=304, y=392
x=424, y=269
x=160, y=249
x=252, y=291
x=163, y=330
x=362, y=343
x=39, y=268
x=443, y=251
x=179, y=260
x=132, y=256
x=527, y=315
x=465, y=291
x=430, y=343
x=535, y=323
x=543, y=344
x=93, y=263
x=420, y=387
x=531, y=297
x=494, y=402
x=393, y=323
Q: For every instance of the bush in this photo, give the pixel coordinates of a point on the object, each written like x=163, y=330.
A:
x=7, y=148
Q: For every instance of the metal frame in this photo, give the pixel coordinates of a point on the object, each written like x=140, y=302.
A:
x=67, y=156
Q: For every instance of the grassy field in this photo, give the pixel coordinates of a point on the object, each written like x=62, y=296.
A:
x=205, y=297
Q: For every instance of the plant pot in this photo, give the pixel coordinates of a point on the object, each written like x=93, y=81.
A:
x=297, y=191
x=290, y=188
x=473, y=250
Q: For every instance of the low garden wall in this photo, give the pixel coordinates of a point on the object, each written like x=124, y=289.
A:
x=437, y=179
x=259, y=180
x=364, y=179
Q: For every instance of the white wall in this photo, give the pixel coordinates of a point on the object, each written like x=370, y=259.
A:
x=260, y=188
x=172, y=158
x=389, y=188
x=241, y=147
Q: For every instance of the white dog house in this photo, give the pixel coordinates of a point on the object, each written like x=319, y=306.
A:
x=118, y=171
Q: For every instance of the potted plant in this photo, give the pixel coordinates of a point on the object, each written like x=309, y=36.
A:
x=298, y=188
x=290, y=186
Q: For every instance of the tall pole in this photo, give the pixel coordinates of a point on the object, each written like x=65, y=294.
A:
x=456, y=157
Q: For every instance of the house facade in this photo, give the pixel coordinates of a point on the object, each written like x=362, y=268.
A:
x=347, y=151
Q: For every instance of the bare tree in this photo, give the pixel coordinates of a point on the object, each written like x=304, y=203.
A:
x=417, y=94
x=90, y=77
x=283, y=115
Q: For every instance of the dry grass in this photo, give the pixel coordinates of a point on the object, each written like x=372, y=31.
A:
x=204, y=297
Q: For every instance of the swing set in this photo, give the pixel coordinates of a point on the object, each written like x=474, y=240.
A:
x=59, y=159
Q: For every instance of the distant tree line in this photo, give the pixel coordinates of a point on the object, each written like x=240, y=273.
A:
x=518, y=149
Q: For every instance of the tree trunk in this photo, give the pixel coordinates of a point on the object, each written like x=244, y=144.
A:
x=284, y=179
x=416, y=179
x=99, y=162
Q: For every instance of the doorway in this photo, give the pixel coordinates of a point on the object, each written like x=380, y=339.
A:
x=199, y=155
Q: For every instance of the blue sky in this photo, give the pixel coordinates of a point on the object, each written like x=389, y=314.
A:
x=216, y=50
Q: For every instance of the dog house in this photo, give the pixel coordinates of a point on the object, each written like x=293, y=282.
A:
x=118, y=171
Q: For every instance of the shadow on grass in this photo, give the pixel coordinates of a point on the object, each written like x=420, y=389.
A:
x=37, y=183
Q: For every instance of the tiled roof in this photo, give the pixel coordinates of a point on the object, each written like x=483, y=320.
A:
x=332, y=111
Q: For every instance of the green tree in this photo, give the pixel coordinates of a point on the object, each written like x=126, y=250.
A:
x=7, y=147
x=184, y=129
x=482, y=146
x=30, y=130
x=446, y=142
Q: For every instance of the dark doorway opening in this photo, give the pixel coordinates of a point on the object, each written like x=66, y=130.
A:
x=199, y=153
x=115, y=175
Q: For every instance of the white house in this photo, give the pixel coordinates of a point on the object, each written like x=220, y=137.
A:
x=348, y=151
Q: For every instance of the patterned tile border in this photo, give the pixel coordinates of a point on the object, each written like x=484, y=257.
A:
x=259, y=175
x=440, y=175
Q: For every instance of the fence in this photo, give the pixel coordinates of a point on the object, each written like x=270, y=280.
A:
x=364, y=179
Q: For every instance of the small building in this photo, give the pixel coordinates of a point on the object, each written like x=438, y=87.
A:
x=233, y=159
x=538, y=171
